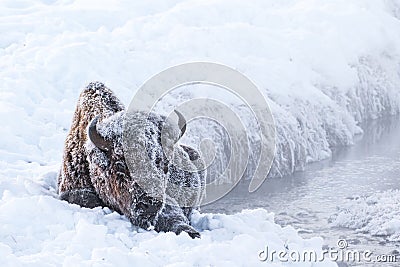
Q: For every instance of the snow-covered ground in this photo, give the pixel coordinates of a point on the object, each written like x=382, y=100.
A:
x=42, y=231
x=377, y=214
x=324, y=66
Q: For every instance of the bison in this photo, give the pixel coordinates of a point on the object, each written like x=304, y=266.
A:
x=98, y=171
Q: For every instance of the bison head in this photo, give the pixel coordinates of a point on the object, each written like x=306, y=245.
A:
x=138, y=169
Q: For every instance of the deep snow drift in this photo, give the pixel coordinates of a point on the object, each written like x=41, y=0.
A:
x=323, y=66
x=72, y=236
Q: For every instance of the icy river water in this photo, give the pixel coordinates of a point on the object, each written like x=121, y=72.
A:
x=308, y=199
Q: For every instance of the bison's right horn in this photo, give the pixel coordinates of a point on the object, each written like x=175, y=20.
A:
x=94, y=136
x=181, y=122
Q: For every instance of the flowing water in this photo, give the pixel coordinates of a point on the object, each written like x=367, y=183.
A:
x=306, y=200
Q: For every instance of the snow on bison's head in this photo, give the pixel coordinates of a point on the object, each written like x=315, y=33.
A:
x=142, y=183
x=132, y=173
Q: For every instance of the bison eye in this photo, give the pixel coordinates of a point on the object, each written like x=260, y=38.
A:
x=119, y=166
x=165, y=169
x=121, y=176
x=158, y=161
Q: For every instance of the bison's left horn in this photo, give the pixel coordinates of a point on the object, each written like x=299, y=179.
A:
x=181, y=122
x=94, y=136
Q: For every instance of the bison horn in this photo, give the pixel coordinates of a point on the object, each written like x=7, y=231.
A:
x=181, y=122
x=94, y=136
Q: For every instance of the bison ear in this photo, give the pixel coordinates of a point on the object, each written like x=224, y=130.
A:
x=94, y=136
x=181, y=122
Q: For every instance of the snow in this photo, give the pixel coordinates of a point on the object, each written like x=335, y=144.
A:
x=324, y=68
x=377, y=214
x=49, y=232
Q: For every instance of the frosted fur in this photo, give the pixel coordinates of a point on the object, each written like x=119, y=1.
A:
x=74, y=183
x=120, y=188
x=91, y=177
x=154, y=138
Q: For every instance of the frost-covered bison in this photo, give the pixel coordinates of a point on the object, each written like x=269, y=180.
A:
x=95, y=171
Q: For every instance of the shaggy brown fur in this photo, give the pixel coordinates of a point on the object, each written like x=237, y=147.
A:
x=94, y=172
x=74, y=182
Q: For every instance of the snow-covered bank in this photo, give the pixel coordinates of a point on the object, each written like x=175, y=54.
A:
x=331, y=115
x=323, y=66
x=377, y=214
x=39, y=230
